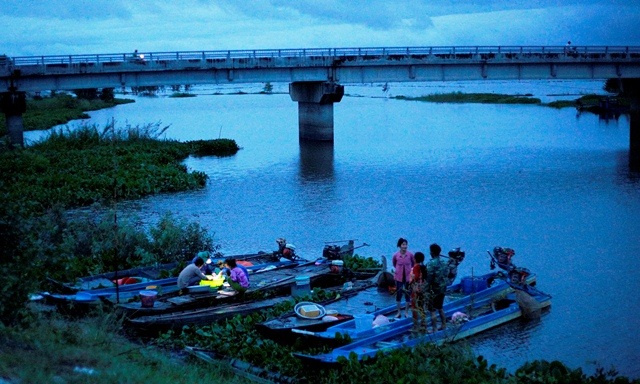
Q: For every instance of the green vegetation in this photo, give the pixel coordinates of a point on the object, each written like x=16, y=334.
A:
x=91, y=350
x=44, y=113
x=81, y=168
x=559, y=104
x=88, y=165
x=589, y=103
x=267, y=89
x=483, y=98
x=182, y=94
x=456, y=363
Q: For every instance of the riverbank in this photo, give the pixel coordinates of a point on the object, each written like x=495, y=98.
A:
x=47, y=112
x=53, y=349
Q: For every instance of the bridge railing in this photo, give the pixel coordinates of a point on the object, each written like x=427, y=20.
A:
x=217, y=55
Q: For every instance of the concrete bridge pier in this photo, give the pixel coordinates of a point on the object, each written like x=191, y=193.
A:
x=315, y=108
x=14, y=104
x=631, y=89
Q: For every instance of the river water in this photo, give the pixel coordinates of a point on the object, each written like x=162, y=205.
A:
x=553, y=185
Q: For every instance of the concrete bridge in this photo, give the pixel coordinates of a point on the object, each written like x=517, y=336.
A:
x=317, y=77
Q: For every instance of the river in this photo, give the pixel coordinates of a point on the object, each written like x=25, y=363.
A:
x=553, y=185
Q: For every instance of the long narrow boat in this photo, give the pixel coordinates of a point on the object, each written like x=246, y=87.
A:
x=457, y=296
x=205, y=316
x=276, y=281
x=167, y=286
x=483, y=315
x=359, y=298
x=136, y=278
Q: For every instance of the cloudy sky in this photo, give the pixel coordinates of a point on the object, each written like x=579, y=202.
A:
x=51, y=27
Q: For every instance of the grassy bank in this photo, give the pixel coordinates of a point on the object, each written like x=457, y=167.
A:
x=91, y=350
x=91, y=167
x=44, y=113
x=52, y=349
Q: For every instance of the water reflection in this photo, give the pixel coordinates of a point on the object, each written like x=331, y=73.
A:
x=508, y=345
x=625, y=171
x=316, y=161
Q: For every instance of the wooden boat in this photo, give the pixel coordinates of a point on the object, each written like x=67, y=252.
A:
x=350, y=301
x=154, y=324
x=85, y=300
x=135, y=279
x=458, y=295
x=277, y=281
x=205, y=316
x=483, y=315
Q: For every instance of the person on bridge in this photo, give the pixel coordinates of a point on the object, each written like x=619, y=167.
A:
x=569, y=48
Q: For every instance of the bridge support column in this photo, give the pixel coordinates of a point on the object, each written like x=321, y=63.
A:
x=631, y=89
x=315, y=108
x=14, y=104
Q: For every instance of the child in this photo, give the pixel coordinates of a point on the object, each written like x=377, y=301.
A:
x=418, y=292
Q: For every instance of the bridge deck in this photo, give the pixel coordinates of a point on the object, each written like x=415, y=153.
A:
x=345, y=65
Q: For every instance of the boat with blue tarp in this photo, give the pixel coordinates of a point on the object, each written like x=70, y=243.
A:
x=469, y=290
x=477, y=317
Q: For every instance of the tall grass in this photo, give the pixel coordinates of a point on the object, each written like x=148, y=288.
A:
x=90, y=350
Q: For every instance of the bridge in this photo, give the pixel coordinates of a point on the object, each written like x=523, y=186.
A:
x=316, y=76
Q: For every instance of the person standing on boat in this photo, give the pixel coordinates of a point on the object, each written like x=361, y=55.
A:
x=437, y=280
x=419, y=288
x=403, y=261
x=237, y=278
x=191, y=274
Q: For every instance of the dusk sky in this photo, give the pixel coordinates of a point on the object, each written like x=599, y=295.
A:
x=52, y=27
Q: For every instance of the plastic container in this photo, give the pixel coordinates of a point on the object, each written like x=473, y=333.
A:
x=301, y=287
x=148, y=298
x=363, y=322
x=216, y=282
x=473, y=284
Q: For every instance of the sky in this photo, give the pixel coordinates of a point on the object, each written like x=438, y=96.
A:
x=59, y=27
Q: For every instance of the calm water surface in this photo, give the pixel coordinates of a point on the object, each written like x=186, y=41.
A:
x=552, y=185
